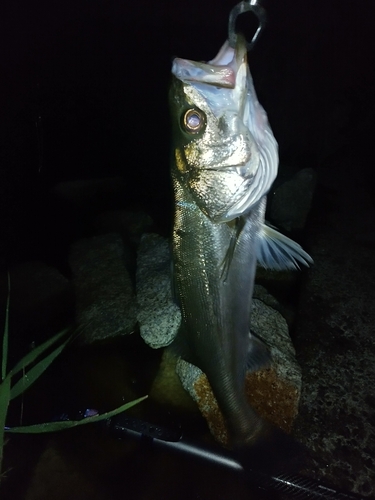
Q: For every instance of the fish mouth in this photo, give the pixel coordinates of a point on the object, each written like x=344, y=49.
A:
x=221, y=71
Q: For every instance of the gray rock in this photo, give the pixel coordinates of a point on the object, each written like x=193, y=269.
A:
x=335, y=341
x=158, y=316
x=105, y=301
x=291, y=201
x=277, y=282
x=129, y=224
x=272, y=328
x=260, y=293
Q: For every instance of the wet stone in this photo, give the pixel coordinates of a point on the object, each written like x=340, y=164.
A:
x=105, y=300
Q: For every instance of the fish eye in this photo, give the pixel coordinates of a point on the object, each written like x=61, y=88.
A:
x=193, y=121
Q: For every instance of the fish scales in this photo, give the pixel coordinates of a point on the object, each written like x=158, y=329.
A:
x=224, y=162
x=216, y=312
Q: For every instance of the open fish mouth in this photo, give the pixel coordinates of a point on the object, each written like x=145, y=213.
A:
x=221, y=71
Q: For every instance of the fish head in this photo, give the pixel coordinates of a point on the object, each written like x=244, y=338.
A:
x=225, y=154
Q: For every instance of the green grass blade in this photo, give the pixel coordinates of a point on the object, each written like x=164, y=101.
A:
x=35, y=372
x=5, y=336
x=32, y=355
x=59, y=426
x=4, y=402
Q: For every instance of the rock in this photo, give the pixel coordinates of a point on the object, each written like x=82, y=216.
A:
x=271, y=327
x=54, y=467
x=335, y=344
x=283, y=284
x=291, y=201
x=129, y=224
x=158, y=316
x=274, y=392
x=167, y=389
x=105, y=301
x=261, y=293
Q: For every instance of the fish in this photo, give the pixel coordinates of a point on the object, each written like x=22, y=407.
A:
x=224, y=162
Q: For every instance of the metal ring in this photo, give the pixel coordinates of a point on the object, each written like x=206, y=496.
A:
x=240, y=8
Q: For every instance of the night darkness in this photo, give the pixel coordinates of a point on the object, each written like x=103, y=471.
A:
x=97, y=74
x=84, y=95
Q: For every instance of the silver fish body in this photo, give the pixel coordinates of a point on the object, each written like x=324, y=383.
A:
x=216, y=312
x=225, y=160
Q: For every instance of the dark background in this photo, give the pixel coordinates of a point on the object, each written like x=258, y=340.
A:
x=94, y=76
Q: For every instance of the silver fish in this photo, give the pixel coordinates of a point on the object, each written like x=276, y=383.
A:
x=225, y=159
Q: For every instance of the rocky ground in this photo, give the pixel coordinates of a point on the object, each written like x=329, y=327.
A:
x=334, y=336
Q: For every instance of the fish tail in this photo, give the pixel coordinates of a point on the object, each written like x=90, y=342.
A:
x=272, y=451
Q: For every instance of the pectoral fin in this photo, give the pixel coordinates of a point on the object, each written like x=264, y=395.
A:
x=238, y=224
x=276, y=251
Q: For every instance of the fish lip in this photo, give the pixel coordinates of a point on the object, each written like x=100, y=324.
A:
x=221, y=71
x=229, y=56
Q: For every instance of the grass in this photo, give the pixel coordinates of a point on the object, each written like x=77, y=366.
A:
x=32, y=366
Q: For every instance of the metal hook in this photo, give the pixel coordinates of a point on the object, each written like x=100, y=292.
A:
x=240, y=8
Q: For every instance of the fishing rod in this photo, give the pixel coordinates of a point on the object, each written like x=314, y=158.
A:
x=174, y=440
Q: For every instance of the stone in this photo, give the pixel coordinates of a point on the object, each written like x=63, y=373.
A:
x=167, y=389
x=158, y=316
x=105, y=301
x=335, y=341
x=261, y=293
x=129, y=224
